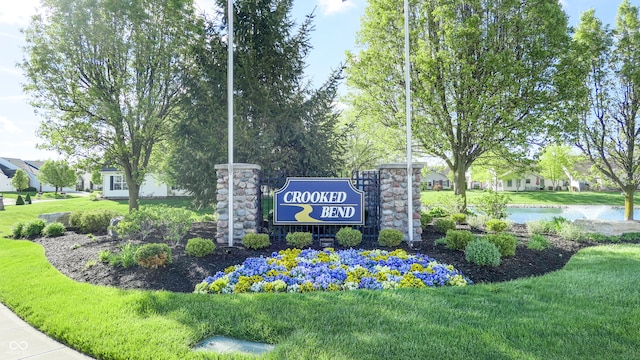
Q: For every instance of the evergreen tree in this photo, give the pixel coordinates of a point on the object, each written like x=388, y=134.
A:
x=280, y=121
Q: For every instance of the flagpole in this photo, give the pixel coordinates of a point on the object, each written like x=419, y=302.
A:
x=230, y=116
x=407, y=81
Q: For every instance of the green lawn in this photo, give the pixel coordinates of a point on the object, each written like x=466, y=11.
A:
x=543, y=197
x=589, y=309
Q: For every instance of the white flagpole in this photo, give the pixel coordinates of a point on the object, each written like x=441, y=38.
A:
x=407, y=76
x=230, y=115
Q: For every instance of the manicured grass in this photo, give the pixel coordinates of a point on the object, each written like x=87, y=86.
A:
x=590, y=309
x=543, y=197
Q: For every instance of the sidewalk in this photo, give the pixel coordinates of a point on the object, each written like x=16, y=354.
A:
x=18, y=340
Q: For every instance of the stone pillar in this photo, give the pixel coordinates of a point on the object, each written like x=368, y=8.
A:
x=245, y=199
x=394, y=196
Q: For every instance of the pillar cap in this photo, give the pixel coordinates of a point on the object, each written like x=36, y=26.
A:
x=237, y=166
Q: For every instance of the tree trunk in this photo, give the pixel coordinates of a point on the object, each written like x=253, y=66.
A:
x=460, y=184
x=628, y=203
x=134, y=192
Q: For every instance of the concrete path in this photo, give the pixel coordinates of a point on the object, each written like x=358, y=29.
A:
x=18, y=340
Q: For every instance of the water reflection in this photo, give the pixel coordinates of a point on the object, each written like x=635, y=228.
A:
x=600, y=212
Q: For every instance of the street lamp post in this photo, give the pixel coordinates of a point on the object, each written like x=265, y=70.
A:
x=230, y=116
x=407, y=83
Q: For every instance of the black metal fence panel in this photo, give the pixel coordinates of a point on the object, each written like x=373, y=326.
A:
x=366, y=181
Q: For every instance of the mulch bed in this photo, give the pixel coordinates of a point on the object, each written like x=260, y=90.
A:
x=72, y=253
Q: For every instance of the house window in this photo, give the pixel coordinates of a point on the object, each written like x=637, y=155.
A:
x=509, y=183
x=541, y=183
x=527, y=181
x=118, y=183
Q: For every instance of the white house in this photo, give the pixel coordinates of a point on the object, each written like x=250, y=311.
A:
x=114, y=186
x=528, y=182
x=432, y=178
x=8, y=167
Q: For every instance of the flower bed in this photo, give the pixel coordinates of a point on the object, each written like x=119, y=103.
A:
x=295, y=270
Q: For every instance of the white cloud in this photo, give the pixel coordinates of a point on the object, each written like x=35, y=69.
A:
x=18, y=12
x=7, y=127
x=330, y=7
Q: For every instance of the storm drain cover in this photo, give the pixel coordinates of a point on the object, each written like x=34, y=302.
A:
x=225, y=345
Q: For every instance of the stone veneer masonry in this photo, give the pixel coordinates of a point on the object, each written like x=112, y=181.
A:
x=245, y=199
x=393, y=198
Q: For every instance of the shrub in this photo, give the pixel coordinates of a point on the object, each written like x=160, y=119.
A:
x=571, y=232
x=632, y=237
x=540, y=227
x=437, y=187
x=54, y=229
x=493, y=204
x=31, y=189
x=126, y=256
x=496, y=225
x=390, y=237
x=19, y=200
x=440, y=241
x=138, y=223
x=104, y=255
x=349, y=237
x=199, y=247
x=459, y=218
x=538, y=242
x=443, y=225
x=438, y=212
x=16, y=230
x=425, y=219
x=93, y=221
x=299, y=239
x=27, y=199
x=33, y=228
x=458, y=239
x=506, y=243
x=94, y=196
x=482, y=252
x=256, y=241
x=173, y=222
x=151, y=256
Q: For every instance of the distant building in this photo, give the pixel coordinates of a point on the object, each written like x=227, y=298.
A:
x=114, y=186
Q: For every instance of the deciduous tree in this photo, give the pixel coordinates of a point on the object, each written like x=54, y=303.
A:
x=483, y=74
x=20, y=180
x=556, y=163
x=57, y=173
x=106, y=76
x=608, y=63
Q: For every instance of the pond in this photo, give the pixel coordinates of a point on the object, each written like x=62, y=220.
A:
x=521, y=215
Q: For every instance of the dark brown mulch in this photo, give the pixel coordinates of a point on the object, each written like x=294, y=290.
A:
x=76, y=256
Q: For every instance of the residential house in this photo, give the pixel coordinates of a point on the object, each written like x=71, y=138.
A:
x=114, y=186
x=8, y=167
x=528, y=182
x=433, y=177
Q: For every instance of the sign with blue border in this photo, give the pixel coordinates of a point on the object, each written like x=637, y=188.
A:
x=318, y=201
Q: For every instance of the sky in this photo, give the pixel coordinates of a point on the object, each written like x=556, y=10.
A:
x=336, y=24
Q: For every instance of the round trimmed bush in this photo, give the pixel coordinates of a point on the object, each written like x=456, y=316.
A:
x=390, y=237
x=199, y=247
x=256, y=241
x=33, y=228
x=459, y=218
x=482, y=252
x=443, y=225
x=54, y=229
x=496, y=225
x=299, y=239
x=506, y=243
x=349, y=237
x=151, y=256
x=458, y=239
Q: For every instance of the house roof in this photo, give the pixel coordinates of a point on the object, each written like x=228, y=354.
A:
x=30, y=169
x=7, y=171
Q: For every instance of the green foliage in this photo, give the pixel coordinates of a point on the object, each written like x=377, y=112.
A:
x=151, y=256
x=506, y=243
x=16, y=230
x=54, y=229
x=496, y=225
x=537, y=242
x=493, y=204
x=440, y=241
x=94, y=196
x=571, y=232
x=20, y=180
x=92, y=221
x=20, y=200
x=540, y=227
x=458, y=239
x=459, y=218
x=425, y=219
x=443, y=225
x=349, y=237
x=390, y=237
x=438, y=212
x=57, y=173
x=125, y=257
x=199, y=247
x=138, y=223
x=482, y=252
x=27, y=199
x=443, y=204
x=256, y=241
x=174, y=223
x=33, y=228
x=631, y=237
x=554, y=161
x=104, y=255
x=299, y=239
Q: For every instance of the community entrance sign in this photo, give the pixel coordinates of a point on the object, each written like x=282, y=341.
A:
x=318, y=201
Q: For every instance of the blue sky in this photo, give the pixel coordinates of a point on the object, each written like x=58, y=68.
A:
x=336, y=24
